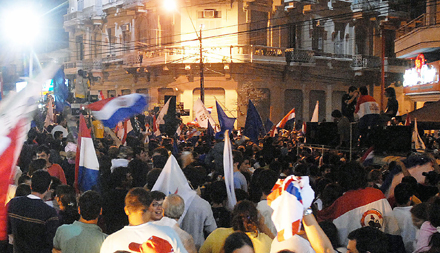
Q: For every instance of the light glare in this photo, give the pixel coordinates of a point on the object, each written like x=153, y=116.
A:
x=170, y=5
x=21, y=26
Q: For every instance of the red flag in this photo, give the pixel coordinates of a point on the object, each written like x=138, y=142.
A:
x=10, y=147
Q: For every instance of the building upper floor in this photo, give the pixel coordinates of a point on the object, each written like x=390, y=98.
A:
x=146, y=33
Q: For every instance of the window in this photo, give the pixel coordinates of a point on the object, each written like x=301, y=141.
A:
x=209, y=13
x=79, y=47
x=318, y=36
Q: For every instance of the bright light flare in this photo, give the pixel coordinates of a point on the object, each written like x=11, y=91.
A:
x=170, y=5
x=22, y=26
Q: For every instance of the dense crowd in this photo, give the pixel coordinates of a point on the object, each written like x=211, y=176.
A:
x=389, y=208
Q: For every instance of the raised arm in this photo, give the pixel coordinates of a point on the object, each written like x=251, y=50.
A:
x=317, y=238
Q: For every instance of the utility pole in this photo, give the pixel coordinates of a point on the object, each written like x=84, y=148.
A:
x=202, y=77
x=382, y=83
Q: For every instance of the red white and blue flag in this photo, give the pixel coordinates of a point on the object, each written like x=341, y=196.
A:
x=288, y=199
x=110, y=111
x=16, y=111
x=86, y=161
x=290, y=116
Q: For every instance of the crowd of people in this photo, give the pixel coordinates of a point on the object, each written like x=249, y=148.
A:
x=389, y=208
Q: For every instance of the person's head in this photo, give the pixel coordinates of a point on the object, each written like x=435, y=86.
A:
x=24, y=179
x=218, y=192
x=40, y=181
x=245, y=217
x=237, y=158
x=351, y=89
x=89, y=205
x=267, y=180
x=152, y=177
x=23, y=190
x=363, y=90
x=403, y=193
x=352, y=176
x=238, y=242
x=434, y=213
x=137, y=202
x=173, y=206
x=121, y=177
x=58, y=135
x=125, y=153
x=43, y=152
x=140, y=153
x=419, y=214
x=66, y=197
x=390, y=92
x=156, y=206
x=336, y=114
x=39, y=164
x=367, y=239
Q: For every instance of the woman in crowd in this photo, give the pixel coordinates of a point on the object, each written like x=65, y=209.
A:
x=244, y=219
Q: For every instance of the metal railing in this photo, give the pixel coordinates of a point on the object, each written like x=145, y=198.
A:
x=416, y=23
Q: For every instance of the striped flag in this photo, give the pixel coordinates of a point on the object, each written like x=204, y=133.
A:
x=110, y=111
x=172, y=181
x=16, y=111
x=359, y=208
x=228, y=167
x=289, y=117
x=289, y=198
x=86, y=161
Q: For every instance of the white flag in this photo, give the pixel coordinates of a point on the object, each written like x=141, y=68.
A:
x=419, y=145
x=172, y=181
x=162, y=114
x=315, y=113
x=202, y=115
x=228, y=167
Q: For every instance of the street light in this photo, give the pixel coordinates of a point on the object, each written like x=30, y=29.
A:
x=21, y=26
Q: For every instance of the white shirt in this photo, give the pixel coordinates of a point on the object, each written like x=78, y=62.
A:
x=121, y=239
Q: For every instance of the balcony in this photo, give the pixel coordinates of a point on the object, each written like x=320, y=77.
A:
x=133, y=3
x=393, y=65
x=72, y=19
x=418, y=36
x=211, y=54
x=93, y=65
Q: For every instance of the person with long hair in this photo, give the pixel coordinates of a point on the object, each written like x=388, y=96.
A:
x=244, y=219
x=238, y=242
x=429, y=236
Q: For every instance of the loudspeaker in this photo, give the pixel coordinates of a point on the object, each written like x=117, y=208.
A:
x=391, y=139
x=322, y=133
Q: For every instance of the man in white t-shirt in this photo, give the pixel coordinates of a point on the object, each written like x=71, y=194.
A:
x=140, y=233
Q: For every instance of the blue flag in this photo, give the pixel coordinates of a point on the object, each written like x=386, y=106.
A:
x=268, y=126
x=254, y=125
x=60, y=90
x=224, y=120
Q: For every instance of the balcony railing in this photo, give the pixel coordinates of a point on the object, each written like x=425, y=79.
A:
x=371, y=62
x=214, y=54
x=416, y=23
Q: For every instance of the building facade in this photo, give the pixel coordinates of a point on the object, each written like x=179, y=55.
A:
x=280, y=54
